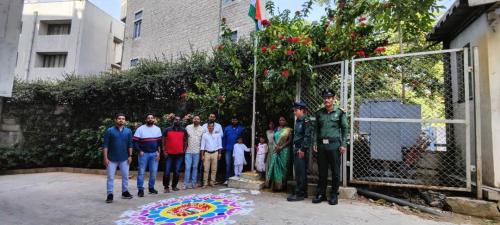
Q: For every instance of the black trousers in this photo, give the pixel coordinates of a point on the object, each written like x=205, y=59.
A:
x=300, y=167
x=328, y=158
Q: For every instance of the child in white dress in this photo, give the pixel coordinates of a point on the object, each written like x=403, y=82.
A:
x=239, y=156
x=262, y=150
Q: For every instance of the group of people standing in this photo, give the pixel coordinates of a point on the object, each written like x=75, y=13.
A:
x=324, y=132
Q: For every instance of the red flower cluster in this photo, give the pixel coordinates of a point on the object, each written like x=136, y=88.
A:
x=361, y=53
x=293, y=39
x=273, y=47
x=266, y=72
x=362, y=19
x=281, y=37
x=307, y=41
x=285, y=73
x=266, y=23
x=326, y=49
x=264, y=50
x=380, y=49
x=290, y=52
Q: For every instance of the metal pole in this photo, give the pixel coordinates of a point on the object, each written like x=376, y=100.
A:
x=477, y=108
x=343, y=96
x=465, y=75
x=351, y=136
x=256, y=42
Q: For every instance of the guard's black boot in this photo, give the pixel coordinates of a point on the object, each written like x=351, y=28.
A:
x=319, y=199
x=294, y=198
x=333, y=200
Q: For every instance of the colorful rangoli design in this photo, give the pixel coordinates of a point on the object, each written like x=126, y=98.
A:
x=189, y=210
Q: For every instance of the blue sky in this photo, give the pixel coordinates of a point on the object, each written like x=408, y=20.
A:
x=113, y=6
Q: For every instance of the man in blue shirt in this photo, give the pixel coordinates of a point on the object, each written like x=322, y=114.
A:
x=117, y=151
x=231, y=134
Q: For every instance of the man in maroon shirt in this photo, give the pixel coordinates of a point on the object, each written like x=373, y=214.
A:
x=174, y=147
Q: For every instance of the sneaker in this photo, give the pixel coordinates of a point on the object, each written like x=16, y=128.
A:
x=175, y=189
x=152, y=191
x=166, y=190
x=109, y=199
x=225, y=183
x=140, y=193
x=126, y=195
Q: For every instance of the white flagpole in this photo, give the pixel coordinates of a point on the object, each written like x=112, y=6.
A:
x=253, y=100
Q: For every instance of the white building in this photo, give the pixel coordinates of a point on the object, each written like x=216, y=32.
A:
x=10, y=27
x=168, y=29
x=61, y=37
x=475, y=24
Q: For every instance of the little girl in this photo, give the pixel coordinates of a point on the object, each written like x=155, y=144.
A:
x=239, y=156
x=262, y=150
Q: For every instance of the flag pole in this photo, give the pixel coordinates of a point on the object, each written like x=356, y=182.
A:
x=256, y=42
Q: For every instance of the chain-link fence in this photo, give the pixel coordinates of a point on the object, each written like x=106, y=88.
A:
x=410, y=120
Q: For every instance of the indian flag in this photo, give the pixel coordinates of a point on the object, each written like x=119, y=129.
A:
x=255, y=13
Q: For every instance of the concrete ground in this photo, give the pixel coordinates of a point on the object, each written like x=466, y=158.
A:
x=68, y=198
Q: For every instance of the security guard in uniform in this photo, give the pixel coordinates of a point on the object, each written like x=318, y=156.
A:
x=330, y=142
x=302, y=140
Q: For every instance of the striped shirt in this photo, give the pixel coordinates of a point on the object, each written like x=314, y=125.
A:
x=147, y=138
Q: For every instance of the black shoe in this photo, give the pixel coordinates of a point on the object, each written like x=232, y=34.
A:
x=318, y=199
x=333, y=200
x=166, y=190
x=109, y=199
x=175, y=189
x=140, y=193
x=126, y=195
x=152, y=191
x=294, y=198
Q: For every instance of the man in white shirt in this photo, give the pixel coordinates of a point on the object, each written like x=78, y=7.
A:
x=217, y=126
x=211, y=146
x=192, y=157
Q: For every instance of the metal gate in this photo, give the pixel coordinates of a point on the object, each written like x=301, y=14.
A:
x=410, y=120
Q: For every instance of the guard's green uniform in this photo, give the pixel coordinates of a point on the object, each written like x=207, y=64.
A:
x=302, y=140
x=331, y=134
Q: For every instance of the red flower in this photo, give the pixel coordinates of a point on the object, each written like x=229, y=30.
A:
x=221, y=98
x=184, y=94
x=293, y=39
x=353, y=35
x=290, y=52
x=307, y=41
x=285, y=73
x=264, y=50
x=266, y=72
x=281, y=37
x=266, y=23
x=361, y=53
x=273, y=47
x=220, y=47
x=362, y=19
x=326, y=49
x=380, y=49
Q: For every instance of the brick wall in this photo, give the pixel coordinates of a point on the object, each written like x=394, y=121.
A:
x=175, y=27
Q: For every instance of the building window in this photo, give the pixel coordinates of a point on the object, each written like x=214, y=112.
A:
x=55, y=27
x=137, y=24
x=134, y=62
x=52, y=60
x=234, y=36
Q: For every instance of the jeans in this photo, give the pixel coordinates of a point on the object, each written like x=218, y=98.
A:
x=229, y=164
x=192, y=161
x=176, y=161
x=111, y=170
x=148, y=159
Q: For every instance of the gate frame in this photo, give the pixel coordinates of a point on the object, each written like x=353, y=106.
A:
x=465, y=121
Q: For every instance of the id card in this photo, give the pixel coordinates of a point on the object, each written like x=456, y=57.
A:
x=326, y=141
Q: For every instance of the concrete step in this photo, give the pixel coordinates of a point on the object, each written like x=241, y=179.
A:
x=251, y=176
x=344, y=192
x=243, y=183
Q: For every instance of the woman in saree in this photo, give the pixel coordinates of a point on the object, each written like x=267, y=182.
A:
x=277, y=171
x=270, y=143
